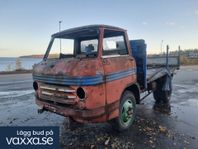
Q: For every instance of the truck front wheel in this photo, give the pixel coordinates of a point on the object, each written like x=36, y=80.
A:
x=127, y=110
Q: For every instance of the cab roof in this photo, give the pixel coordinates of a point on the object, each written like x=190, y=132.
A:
x=71, y=31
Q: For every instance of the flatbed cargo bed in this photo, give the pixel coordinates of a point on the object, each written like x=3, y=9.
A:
x=158, y=66
x=156, y=73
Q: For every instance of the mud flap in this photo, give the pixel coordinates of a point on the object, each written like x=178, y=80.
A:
x=168, y=82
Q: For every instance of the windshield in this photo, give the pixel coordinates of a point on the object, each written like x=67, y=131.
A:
x=61, y=47
x=83, y=44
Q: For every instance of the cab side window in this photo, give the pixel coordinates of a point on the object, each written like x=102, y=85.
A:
x=114, y=44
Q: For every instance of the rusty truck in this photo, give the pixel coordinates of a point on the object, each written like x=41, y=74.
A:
x=96, y=74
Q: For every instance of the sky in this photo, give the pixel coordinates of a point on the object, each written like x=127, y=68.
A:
x=26, y=25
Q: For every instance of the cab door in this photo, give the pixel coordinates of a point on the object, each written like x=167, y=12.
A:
x=119, y=66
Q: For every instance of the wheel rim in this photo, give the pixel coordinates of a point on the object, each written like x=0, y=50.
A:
x=127, y=112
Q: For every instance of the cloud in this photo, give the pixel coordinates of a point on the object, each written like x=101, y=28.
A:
x=196, y=12
x=144, y=23
x=181, y=27
x=170, y=23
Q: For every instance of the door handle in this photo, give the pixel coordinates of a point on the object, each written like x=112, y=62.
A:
x=106, y=62
x=131, y=59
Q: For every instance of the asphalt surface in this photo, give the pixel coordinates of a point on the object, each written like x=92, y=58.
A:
x=176, y=127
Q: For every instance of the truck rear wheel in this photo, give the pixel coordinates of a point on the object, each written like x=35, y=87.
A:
x=159, y=94
x=126, y=112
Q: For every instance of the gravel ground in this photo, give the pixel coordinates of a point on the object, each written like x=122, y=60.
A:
x=175, y=128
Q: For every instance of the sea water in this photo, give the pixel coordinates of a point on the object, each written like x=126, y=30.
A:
x=9, y=63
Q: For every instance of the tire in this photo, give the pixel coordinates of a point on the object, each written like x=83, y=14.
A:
x=160, y=95
x=127, y=110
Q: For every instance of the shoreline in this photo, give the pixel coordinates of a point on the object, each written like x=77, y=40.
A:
x=15, y=72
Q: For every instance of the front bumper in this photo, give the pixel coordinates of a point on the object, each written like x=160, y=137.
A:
x=94, y=115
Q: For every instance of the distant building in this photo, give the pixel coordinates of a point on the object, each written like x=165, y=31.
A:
x=190, y=53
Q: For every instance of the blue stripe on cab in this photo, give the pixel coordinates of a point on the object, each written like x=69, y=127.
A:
x=83, y=81
x=119, y=75
x=79, y=81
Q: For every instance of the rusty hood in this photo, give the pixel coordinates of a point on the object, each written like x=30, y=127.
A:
x=70, y=71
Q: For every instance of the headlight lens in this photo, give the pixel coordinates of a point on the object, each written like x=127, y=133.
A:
x=35, y=85
x=80, y=93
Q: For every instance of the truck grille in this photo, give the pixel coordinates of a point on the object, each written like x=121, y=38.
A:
x=57, y=94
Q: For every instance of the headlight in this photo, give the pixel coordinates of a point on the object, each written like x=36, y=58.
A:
x=80, y=93
x=35, y=85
